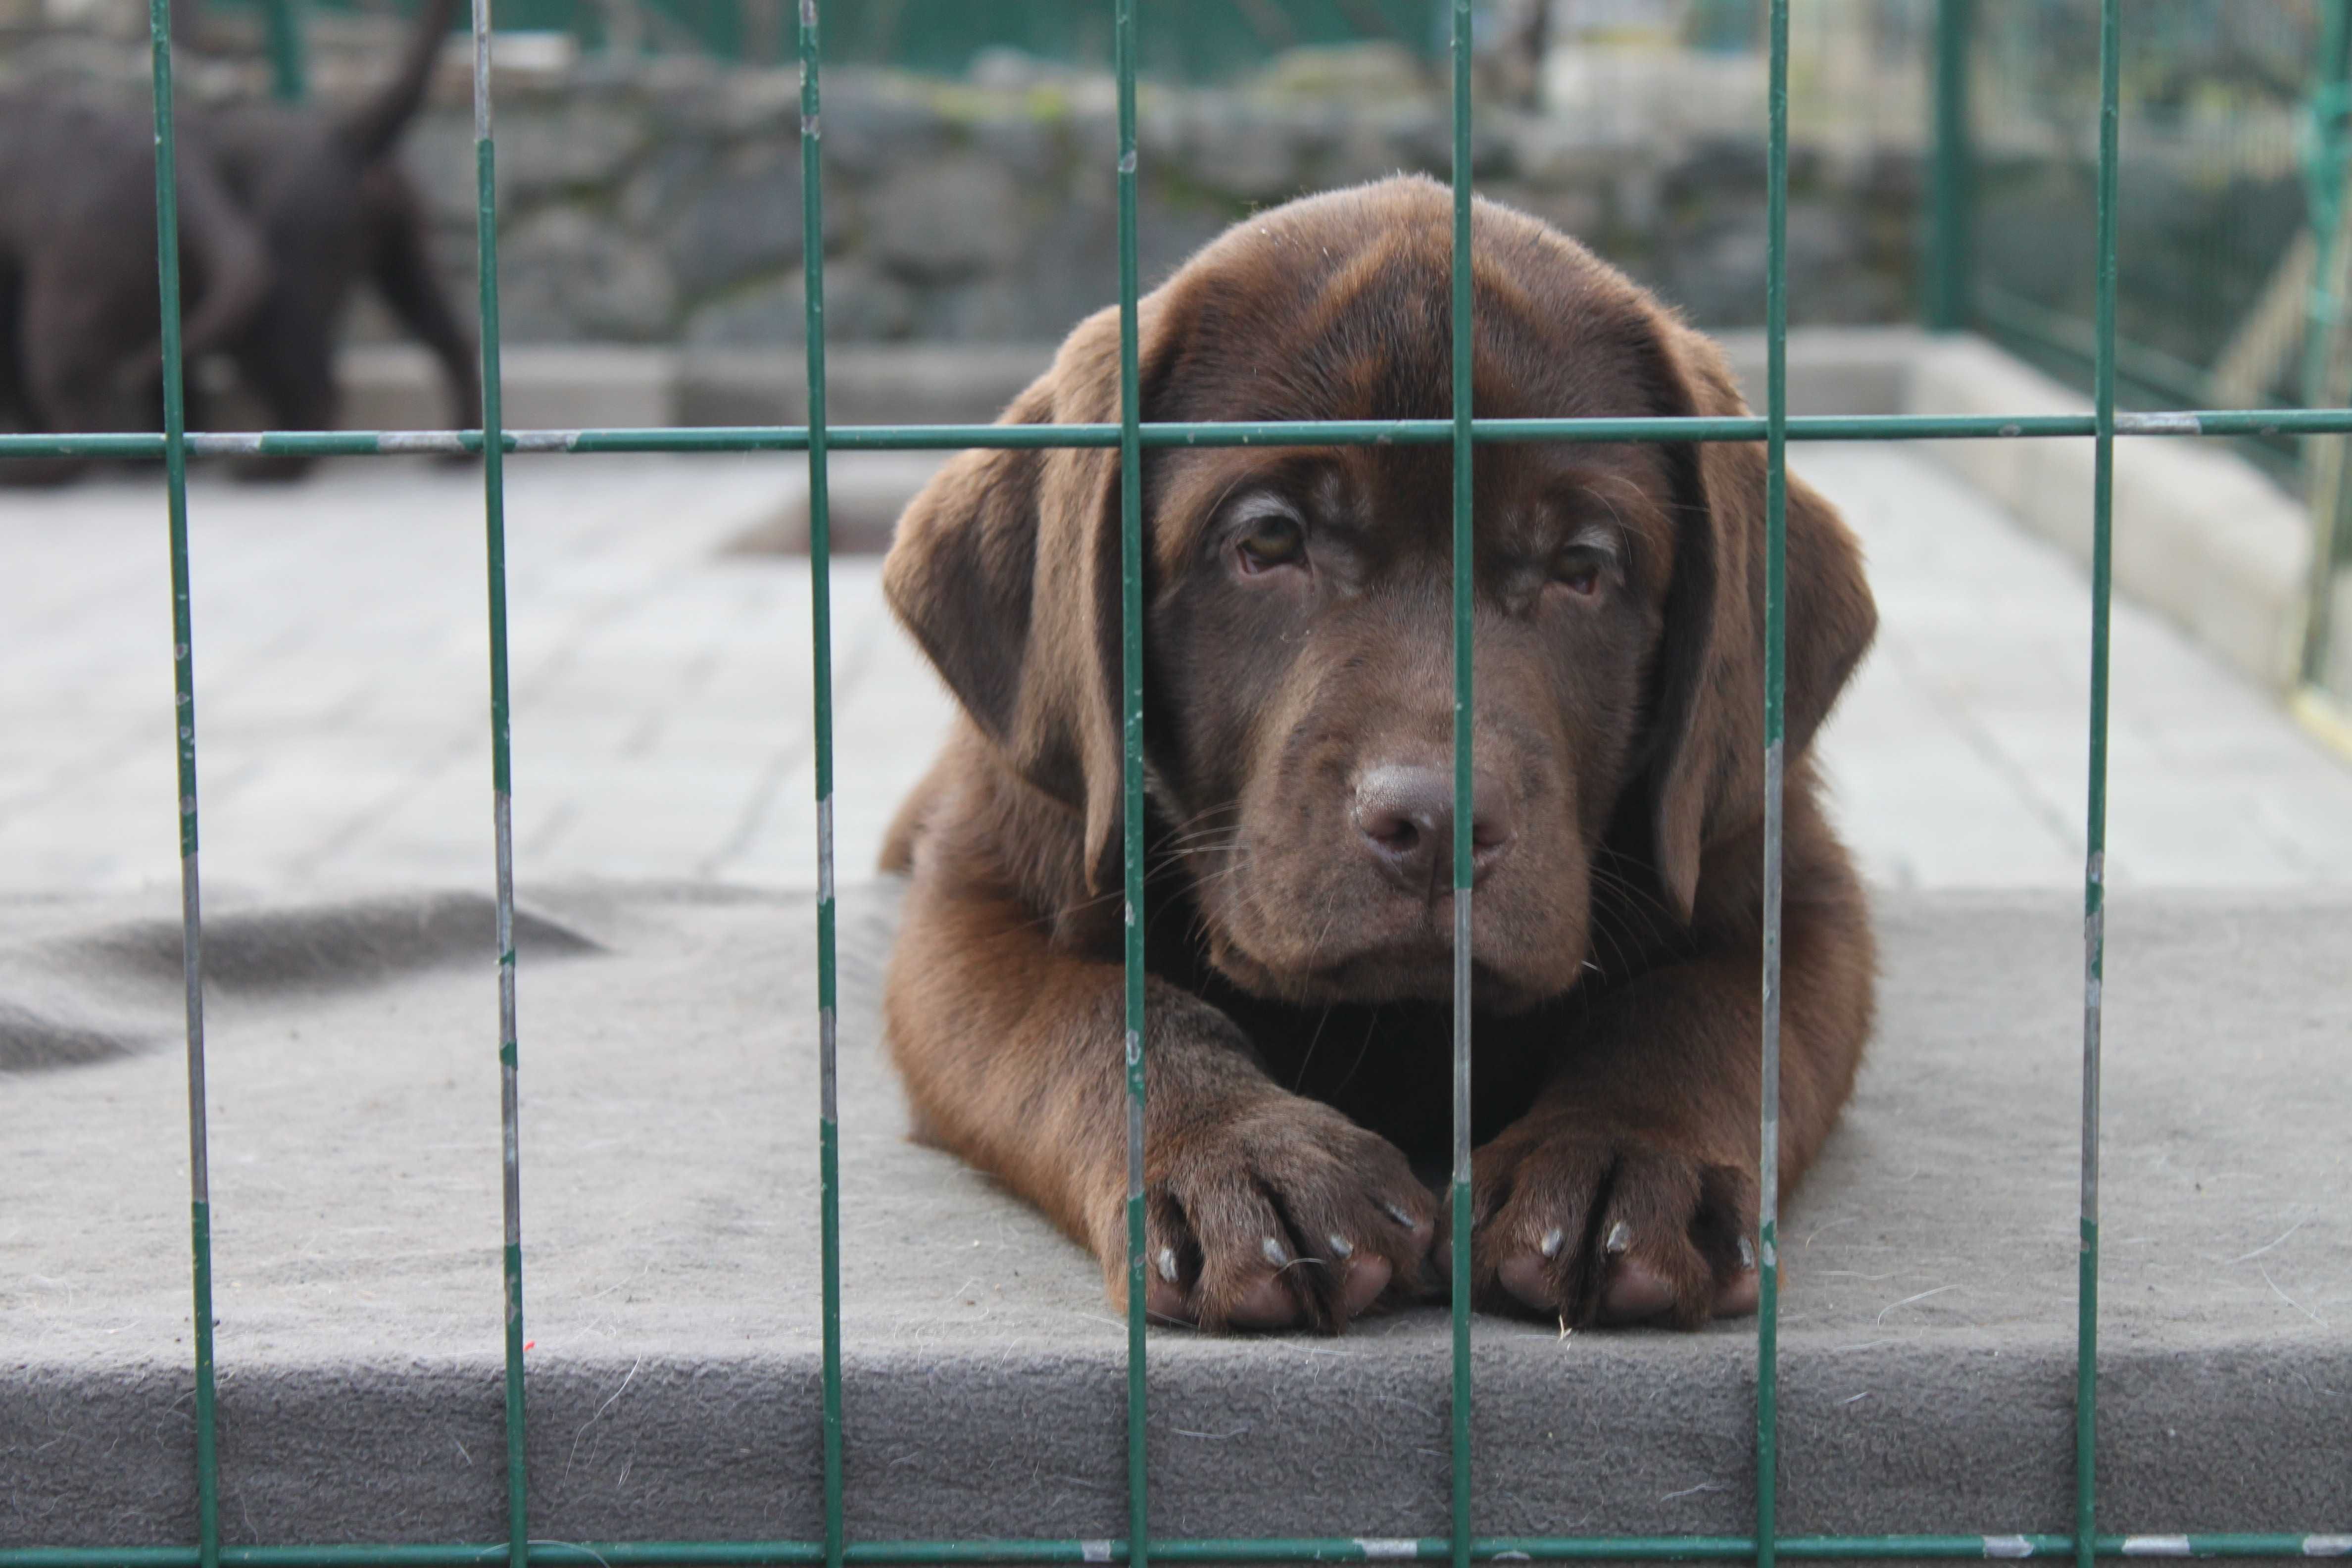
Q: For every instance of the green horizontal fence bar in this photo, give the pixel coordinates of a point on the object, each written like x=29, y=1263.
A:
x=1272, y=1548
x=2207, y=422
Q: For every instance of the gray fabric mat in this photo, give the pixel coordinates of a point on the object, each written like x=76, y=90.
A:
x=671, y=1265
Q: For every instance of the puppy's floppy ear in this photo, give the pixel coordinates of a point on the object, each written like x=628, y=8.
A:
x=1707, y=767
x=1005, y=570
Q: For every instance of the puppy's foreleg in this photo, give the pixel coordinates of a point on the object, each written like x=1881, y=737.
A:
x=1627, y=1192
x=1264, y=1209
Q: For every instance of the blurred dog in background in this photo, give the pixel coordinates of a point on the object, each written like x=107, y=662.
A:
x=282, y=210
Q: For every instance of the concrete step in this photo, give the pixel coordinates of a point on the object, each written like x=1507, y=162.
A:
x=671, y=1262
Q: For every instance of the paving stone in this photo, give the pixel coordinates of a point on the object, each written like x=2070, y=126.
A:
x=661, y=677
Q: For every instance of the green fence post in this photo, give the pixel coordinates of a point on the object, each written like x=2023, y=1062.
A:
x=821, y=651
x=286, y=77
x=494, y=542
x=2095, y=864
x=2327, y=156
x=183, y=692
x=1948, y=238
x=1465, y=617
x=1131, y=779
x=1776, y=577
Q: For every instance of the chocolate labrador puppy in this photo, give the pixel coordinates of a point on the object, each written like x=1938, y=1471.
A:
x=1298, y=725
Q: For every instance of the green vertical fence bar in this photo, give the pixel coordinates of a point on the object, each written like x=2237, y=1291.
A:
x=288, y=77
x=2327, y=159
x=828, y=1128
x=1131, y=618
x=1776, y=581
x=1944, y=303
x=2094, y=833
x=184, y=719
x=493, y=534
x=1464, y=804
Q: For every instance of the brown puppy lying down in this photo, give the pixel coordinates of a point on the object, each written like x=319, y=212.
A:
x=1299, y=725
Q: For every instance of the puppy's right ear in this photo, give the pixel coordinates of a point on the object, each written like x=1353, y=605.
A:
x=1708, y=767
x=1005, y=570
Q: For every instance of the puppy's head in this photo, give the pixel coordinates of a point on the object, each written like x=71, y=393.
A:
x=1300, y=652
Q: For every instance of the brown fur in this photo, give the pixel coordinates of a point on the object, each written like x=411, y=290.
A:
x=1299, y=918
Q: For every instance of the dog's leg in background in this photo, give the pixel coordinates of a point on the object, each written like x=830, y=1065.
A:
x=67, y=386
x=402, y=269
x=1266, y=1210
x=1628, y=1190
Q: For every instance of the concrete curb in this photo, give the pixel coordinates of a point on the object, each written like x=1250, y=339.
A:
x=2200, y=537
x=671, y=1238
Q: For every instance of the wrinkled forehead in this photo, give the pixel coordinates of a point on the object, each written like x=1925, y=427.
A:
x=1343, y=310
x=1343, y=317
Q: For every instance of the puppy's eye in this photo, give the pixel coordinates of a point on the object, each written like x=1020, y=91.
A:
x=1580, y=574
x=1273, y=540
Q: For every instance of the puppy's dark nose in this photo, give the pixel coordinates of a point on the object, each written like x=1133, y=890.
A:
x=1405, y=816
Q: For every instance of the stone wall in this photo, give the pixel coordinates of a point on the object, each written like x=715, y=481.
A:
x=665, y=205
x=659, y=200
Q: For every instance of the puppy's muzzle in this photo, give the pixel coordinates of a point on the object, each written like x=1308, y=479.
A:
x=1403, y=817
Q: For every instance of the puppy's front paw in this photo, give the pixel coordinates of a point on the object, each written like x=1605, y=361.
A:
x=1590, y=1225
x=1278, y=1213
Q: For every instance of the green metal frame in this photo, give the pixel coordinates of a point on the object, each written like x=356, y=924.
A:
x=1947, y=237
x=1133, y=435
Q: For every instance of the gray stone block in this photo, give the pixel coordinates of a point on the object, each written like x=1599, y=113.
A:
x=873, y=384
x=948, y=220
x=745, y=222
x=669, y=1224
x=543, y=152
x=564, y=276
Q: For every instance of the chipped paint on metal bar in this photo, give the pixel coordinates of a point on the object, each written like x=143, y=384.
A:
x=2159, y=425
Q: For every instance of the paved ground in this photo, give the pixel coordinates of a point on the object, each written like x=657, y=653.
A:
x=662, y=692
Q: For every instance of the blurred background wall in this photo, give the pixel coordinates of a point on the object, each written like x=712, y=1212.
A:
x=1942, y=167
x=650, y=174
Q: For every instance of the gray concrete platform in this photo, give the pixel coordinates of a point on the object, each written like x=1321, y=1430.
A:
x=663, y=781
x=671, y=1261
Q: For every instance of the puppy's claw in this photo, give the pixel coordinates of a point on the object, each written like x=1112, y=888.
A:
x=1167, y=1262
x=1550, y=1243
x=1341, y=1246
x=1747, y=1255
x=1621, y=1240
x=1276, y=1253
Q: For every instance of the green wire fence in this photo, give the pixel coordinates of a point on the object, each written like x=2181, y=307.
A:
x=1460, y=1544
x=1211, y=40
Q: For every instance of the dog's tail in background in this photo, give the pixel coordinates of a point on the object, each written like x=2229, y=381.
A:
x=375, y=126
